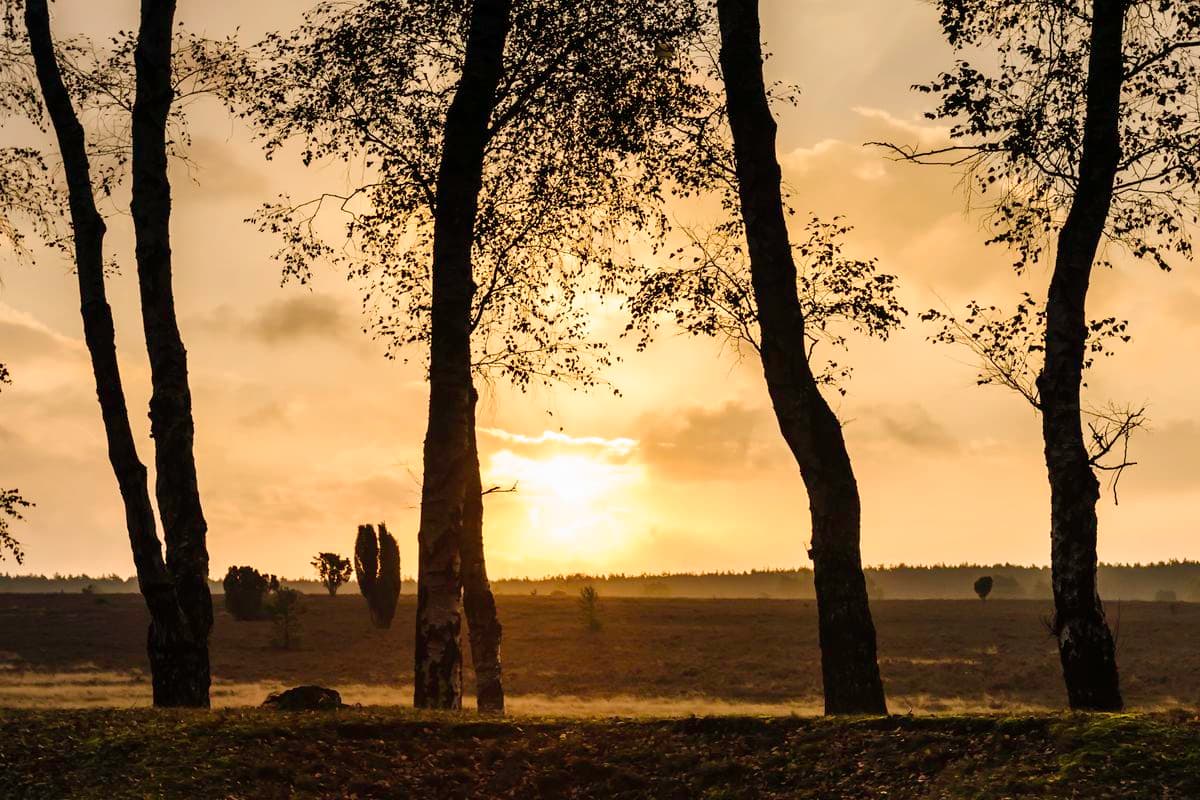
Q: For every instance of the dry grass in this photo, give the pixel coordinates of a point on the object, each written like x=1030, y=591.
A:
x=653, y=656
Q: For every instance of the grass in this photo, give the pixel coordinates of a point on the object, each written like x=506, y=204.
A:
x=377, y=753
x=936, y=656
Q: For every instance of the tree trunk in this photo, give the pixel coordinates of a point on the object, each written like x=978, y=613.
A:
x=169, y=665
x=847, y=634
x=483, y=622
x=1085, y=643
x=171, y=426
x=448, y=453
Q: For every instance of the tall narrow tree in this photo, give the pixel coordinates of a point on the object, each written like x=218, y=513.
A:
x=171, y=425
x=175, y=592
x=566, y=156
x=1085, y=644
x=450, y=458
x=849, y=666
x=1086, y=132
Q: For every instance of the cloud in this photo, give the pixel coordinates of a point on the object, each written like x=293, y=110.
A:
x=910, y=425
x=919, y=134
x=619, y=446
x=269, y=413
x=24, y=337
x=310, y=315
x=703, y=443
x=300, y=318
x=217, y=173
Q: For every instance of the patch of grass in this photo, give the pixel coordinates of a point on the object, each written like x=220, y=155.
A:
x=936, y=656
x=377, y=752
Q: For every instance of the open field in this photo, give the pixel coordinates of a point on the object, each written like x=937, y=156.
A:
x=653, y=656
x=378, y=753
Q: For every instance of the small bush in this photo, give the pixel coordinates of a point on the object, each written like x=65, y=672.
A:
x=589, y=608
x=983, y=586
x=246, y=592
x=285, y=608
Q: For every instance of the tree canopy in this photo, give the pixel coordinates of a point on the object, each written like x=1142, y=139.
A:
x=578, y=156
x=1017, y=124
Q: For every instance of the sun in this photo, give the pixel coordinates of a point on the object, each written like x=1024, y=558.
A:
x=570, y=500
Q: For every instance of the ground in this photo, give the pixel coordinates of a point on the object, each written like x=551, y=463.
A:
x=652, y=656
x=671, y=698
x=378, y=753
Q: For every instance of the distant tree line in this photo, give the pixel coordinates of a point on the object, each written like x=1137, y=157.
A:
x=1134, y=582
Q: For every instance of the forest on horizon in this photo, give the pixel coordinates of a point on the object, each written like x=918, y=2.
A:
x=1169, y=581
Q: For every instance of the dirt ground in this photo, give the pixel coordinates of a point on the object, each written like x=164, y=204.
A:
x=660, y=656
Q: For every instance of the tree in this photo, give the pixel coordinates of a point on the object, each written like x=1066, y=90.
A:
x=1010, y=348
x=332, y=570
x=589, y=608
x=377, y=567
x=11, y=503
x=712, y=293
x=285, y=609
x=175, y=588
x=513, y=150
x=983, y=586
x=849, y=666
x=246, y=591
x=1084, y=131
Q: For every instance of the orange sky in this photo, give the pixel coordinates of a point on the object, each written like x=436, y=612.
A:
x=304, y=430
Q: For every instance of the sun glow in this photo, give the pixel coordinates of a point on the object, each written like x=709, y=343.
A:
x=577, y=502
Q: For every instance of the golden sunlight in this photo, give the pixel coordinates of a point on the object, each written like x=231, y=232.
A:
x=570, y=500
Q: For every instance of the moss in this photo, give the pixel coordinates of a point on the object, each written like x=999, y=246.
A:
x=394, y=752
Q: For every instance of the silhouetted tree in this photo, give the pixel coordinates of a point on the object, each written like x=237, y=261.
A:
x=175, y=589
x=246, y=591
x=377, y=567
x=1010, y=348
x=710, y=293
x=499, y=137
x=285, y=607
x=11, y=503
x=983, y=586
x=332, y=570
x=589, y=608
x=849, y=666
x=1085, y=129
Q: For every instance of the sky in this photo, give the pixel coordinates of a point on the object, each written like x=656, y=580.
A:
x=304, y=429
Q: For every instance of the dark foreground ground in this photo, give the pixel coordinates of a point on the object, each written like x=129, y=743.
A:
x=697, y=656
x=388, y=753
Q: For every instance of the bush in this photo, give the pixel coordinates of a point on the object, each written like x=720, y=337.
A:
x=983, y=586
x=246, y=592
x=589, y=608
x=377, y=566
x=333, y=570
x=285, y=608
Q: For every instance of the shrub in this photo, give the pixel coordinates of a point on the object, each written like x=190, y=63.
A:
x=589, y=607
x=285, y=608
x=246, y=592
x=333, y=570
x=983, y=587
x=377, y=567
